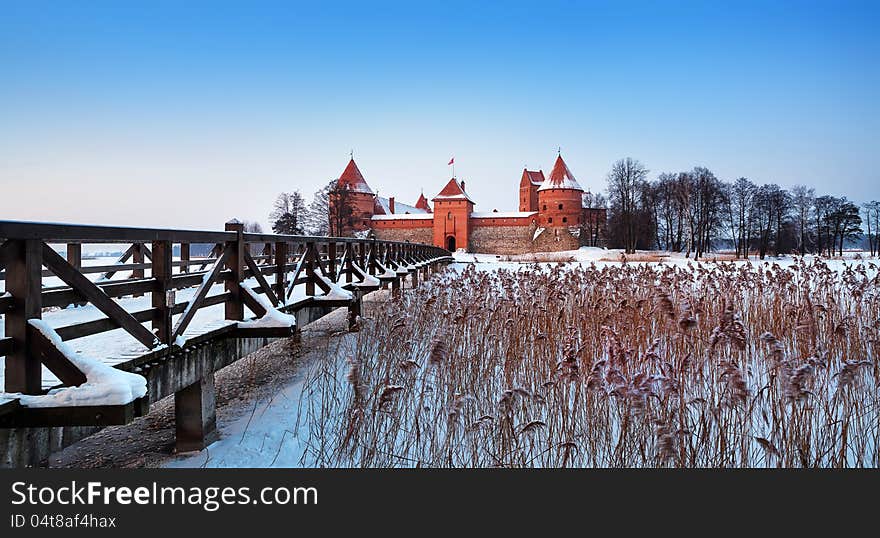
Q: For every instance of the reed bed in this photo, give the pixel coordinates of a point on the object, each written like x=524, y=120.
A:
x=624, y=365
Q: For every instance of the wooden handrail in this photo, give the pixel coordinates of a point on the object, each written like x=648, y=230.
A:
x=317, y=262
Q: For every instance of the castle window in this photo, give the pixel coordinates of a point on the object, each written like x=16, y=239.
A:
x=564, y=219
x=545, y=207
x=549, y=220
x=449, y=215
x=560, y=206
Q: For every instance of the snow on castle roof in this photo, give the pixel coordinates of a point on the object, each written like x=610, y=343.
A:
x=453, y=191
x=535, y=178
x=504, y=215
x=399, y=207
x=560, y=178
x=405, y=216
x=352, y=179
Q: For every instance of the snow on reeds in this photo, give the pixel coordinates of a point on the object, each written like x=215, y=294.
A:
x=709, y=365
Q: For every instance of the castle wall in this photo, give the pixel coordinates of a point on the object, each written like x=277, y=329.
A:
x=502, y=239
x=555, y=239
x=421, y=234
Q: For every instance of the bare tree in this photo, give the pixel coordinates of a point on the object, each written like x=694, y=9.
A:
x=740, y=198
x=772, y=206
x=592, y=226
x=803, y=201
x=626, y=186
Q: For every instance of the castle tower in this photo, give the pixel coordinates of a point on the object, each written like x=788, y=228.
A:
x=351, y=204
x=452, y=217
x=528, y=189
x=422, y=203
x=560, y=198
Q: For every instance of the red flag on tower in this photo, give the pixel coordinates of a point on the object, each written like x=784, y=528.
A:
x=451, y=161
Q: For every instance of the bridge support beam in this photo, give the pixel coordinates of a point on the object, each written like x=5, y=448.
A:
x=195, y=415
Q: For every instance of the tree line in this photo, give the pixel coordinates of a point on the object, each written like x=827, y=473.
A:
x=695, y=212
x=292, y=215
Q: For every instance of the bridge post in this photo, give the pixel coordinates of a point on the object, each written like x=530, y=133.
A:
x=195, y=415
x=161, y=299
x=24, y=276
x=234, y=305
x=184, y=257
x=74, y=255
x=394, y=257
x=372, y=258
x=415, y=274
x=309, y=267
x=137, y=256
x=281, y=270
x=331, y=259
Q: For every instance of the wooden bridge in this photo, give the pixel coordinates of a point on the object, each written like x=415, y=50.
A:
x=173, y=319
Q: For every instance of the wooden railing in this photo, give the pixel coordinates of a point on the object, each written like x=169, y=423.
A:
x=316, y=263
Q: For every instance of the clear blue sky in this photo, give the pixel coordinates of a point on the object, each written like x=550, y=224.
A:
x=106, y=108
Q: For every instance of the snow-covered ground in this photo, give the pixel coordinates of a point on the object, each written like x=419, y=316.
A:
x=274, y=432
x=603, y=256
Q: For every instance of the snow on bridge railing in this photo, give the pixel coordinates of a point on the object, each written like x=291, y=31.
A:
x=303, y=270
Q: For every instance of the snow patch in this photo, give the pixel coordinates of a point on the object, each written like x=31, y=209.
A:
x=104, y=384
x=272, y=318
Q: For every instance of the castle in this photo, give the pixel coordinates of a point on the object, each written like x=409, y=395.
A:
x=551, y=215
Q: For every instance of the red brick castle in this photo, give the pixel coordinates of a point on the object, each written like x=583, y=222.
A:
x=551, y=215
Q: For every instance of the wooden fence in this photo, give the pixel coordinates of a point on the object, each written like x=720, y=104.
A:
x=317, y=263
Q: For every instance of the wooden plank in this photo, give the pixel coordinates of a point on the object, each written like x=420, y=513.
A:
x=63, y=233
x=95, y=326
x=88, y=328
x=196, y=302
x=50, y=417
x=280, y=269
x=296, y=271
x=65, y=296
x=263, y=332
x=6, y=303
x=23, y=371
x=6, y=345
x=161, y=296
x=235, y=263
x=97, y=297
x=9, y=405
x=258, y=274
x=138, y=258
x=74, y=254
x=251, y=302
x=184, y=257
x=43, y=349
x=311, y=255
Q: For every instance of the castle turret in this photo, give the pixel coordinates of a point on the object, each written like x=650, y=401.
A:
x=452, y=211
x=560, y=198
x=352, y=203
x=528, y=189
x=422, y=203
